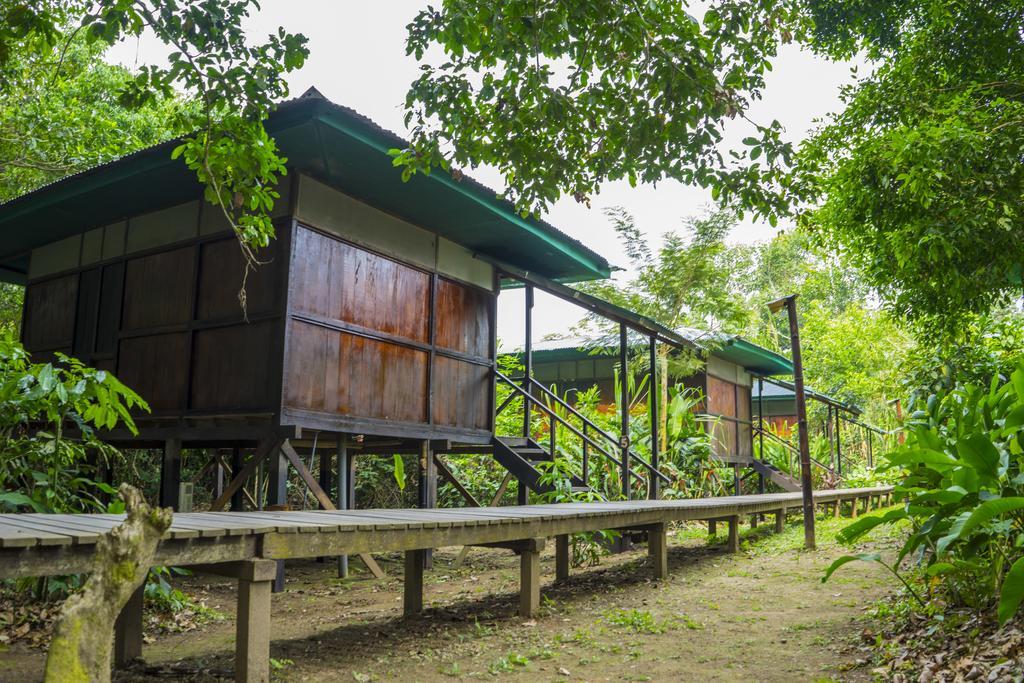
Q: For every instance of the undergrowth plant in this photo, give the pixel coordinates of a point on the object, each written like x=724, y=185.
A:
x=962, y=488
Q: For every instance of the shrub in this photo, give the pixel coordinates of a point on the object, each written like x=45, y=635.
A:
x=962, y=488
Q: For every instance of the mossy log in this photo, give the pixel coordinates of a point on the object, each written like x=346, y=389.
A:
x=84, y=635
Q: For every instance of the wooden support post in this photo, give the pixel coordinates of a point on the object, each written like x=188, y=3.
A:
x=657, y=549
x=342, y=495
x=653, y=393
x=412, y=595
x=712, y=527
x=624, y=411
x=277, y=495
x=837, y=508
x=529, y=577
x=236, y=468
x=218, y=483
x=561, y=557
x=753, y=521
x=324, y=473
x=128, y=631
x=428, y=491
x=854, y=504
x=734, y=534
x=170, y=474
x=780, y=521
x=252, y=629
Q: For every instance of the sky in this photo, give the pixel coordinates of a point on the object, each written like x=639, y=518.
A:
x=357, y=58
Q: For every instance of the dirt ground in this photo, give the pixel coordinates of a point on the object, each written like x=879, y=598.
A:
x=761, y=614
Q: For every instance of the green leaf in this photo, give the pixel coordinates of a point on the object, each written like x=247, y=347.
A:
x=865, y=524
x=846, y=559
x=986, y=512
x=400, y=471
x=940, y=568
x=1012, y=592
x=978, y=451
x=922, y=456
x=15, y=499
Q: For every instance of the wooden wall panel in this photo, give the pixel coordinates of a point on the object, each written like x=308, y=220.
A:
x=109, y=315
x=229, y=367
x=221, y=269
x=722, y=401
x=156, y=367
x=158, y=289
x=85, y=314
x=316, y=274
x=461, y=394
x=745, y=445
x=381, y=380
x=50, y=314
x=338, y=372
x=335, y=280
x=462, y=318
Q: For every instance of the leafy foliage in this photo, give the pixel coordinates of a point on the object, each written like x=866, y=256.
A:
x=564, y=96
x=234, y=84
x=43, y=470
x=963, y=488
x=919, y=176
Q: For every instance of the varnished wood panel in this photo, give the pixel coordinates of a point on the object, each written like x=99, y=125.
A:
x=230, y=368
x=334, y=371
x=722, y=401
x=221, y=269
x=158, y=289
x=745, y=445
x=336, y=280
x=50, y=313
x=156, y=368
x=462, y=318
x=461, y=393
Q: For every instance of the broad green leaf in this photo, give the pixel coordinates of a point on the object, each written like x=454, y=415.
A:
x=846, y=559
x=986, y=512
x=979, y=452
x=1012, y=592
x=940, y=568
x=400, y=471
x=14, y=499
x=865, y=524
x=922, y=456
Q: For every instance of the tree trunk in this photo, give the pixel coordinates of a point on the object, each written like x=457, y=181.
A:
x=82, y=641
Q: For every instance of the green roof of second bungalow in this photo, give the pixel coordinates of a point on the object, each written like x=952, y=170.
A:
x=327, y=141
x=754, y=358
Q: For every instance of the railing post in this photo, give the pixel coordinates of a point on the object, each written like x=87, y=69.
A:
x=586, y=455
x=528, y=361
x=552, y=436
x=653, y=392
x=839, y=443
x=624, y=433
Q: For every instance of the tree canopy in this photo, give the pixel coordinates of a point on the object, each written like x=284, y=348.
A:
x=917, y=180
x=230, y=83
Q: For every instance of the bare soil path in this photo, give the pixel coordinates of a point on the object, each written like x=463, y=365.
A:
x=761, y=615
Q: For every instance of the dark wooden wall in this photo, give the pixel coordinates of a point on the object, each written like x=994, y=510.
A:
x=377, y=346
x=168, y=322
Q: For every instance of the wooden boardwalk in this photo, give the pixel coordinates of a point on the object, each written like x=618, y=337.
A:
x=247, y=546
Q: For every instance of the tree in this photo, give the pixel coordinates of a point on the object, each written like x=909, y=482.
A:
x=917, y=181
x=59, y=120
x=564, y=96
x=919, y=178
x=233, y=83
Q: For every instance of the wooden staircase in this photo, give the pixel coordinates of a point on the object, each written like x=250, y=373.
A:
x=776, y=476
x=520, y=455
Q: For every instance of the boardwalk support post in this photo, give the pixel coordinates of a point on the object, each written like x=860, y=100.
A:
x=561, y=557
x=657, y=549
x=128, y=631
x=780, y=521
x=712, y=527
x=734, y=534
x=807, y=485
x=412, y=602
x=252, y=637
x=854, y=503
x=529, y=577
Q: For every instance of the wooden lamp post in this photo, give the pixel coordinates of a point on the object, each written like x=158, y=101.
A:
x=789, y=302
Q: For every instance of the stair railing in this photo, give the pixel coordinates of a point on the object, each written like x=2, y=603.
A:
x=793, y=450
x=587, y=433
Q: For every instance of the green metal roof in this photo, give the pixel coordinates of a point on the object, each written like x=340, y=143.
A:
x=751, y=357
x=327, y=141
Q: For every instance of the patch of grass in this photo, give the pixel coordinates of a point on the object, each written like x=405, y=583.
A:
x=508, y=663
x=637, y=621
